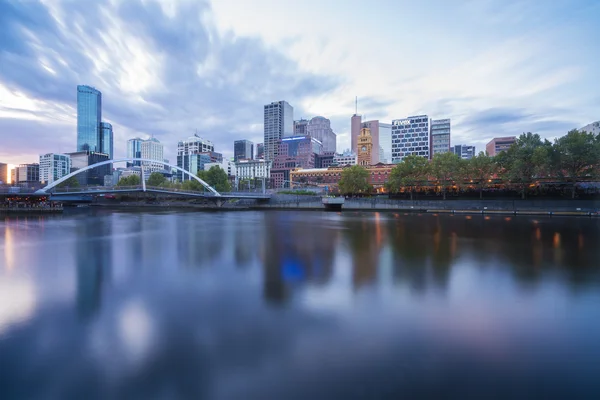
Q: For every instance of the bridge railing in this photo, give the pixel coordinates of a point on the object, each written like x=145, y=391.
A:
x=166, y=190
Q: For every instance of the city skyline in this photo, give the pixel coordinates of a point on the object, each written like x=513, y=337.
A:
x=529, y=71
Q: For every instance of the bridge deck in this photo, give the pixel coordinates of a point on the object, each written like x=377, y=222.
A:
x=158, y=190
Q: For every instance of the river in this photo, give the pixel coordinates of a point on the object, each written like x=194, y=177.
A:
x=307, y=305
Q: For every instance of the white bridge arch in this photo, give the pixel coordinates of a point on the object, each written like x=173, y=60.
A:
x=64, y=178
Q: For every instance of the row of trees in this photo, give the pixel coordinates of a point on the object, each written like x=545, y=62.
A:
x=215, y=177
x=571, y=158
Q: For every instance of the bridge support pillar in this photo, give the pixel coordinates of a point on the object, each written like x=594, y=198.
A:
x=219, y=203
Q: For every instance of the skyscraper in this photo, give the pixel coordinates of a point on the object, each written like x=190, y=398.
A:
x=260, y=151
x=106, y=139
x=3, y=173
x=134, y=150
x=320, y=129
x=410, y=136
x=440, y=136
x=152, y=149
x=89, y=116
x=355, y=127
x=300, y=127
x=243, y=150
x=192, y=154
x=278, y=123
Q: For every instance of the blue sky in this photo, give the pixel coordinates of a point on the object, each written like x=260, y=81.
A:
x=496, y=67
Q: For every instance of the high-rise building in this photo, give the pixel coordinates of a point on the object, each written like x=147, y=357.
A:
x=54, y=166
x=594, y=128
x=243, y=150
x=4, y=173
x=106, y=139
x=134, y=150
x=320, y=129
x=26, y=175
x=260, y=151
x=94, y=176
x=89, y=116
x=294, y=152
x=385, y=143
x=152, y=149
x=496, y=145
x=325, y=159
x=410, y=136
x=278, y=123
x=192, y=154
x=463, y=151
x=365, y=147
x=300, y=127
x=440, y=136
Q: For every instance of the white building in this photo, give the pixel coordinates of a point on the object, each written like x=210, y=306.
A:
x=152, y=149
x=347, y=158
x=410, y=136
x=594, y=128
x=463, y=151
x=226, y=165
x=250, y=169
x=54, y=166
x=440, y=136
x=278, y=123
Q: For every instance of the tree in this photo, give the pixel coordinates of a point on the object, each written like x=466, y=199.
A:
x=131, y=180
x=522, y=163
x=577, y=155
x=71, y=182
x=354, y=180
x=411, y=173
x=218, y=179
x=156, y=179
x=446, y=167
x=481, y=169
x=192, y=185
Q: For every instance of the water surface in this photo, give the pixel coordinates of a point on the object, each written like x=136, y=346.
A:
x=286, y=305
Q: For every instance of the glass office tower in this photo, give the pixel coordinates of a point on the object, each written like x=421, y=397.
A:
x=106, y=139
x=89, y=116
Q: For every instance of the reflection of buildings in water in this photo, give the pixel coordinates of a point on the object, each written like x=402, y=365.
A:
x=294, y=252
x=245, y=243
x=365, y=237
x=198, y=244
x=94, y=260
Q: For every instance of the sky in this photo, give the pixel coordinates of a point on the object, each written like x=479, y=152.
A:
x=169, y=69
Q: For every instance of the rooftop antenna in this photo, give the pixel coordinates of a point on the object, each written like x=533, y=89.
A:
x=356, y=106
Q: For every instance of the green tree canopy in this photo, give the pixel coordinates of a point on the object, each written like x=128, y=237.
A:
x=156, y=179
x=410, y=173
x=577, y=155
x=71, y=182
x=131, y=180
x=525, y=159
x=446, y=167
x=354, y=180
x=218, y=179
x=480, y=170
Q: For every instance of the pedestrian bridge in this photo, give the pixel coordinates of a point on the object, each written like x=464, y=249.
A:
x=57, y=193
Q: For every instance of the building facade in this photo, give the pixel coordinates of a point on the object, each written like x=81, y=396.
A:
x=355, y=127
x=89, y=116
x=594, y=128
x=4, y=178
x=496, y=145
x=250, y=169
x=385, y=143
x=134, y=150
x=300, y=127
x=346, y=158
x=260, y=151
x=324, y=160
x=440, y=136
x=197, y=147
x=226, y=165
x=294, y=152
x=365, y=147
x=410, y=136
x=320, y=129
x=106, y=139
x=378, y=175
x=53, y=167
x=243, y=150
x=152, y=149
x=26, y=175
x=278, y=123
x=94, y=176
x=463, y=151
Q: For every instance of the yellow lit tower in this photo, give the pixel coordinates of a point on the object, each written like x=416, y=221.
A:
x=365, y=146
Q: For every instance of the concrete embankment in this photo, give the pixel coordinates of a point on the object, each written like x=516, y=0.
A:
x=509, y=207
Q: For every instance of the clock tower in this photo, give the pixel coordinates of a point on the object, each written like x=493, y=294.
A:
x=365, y=146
